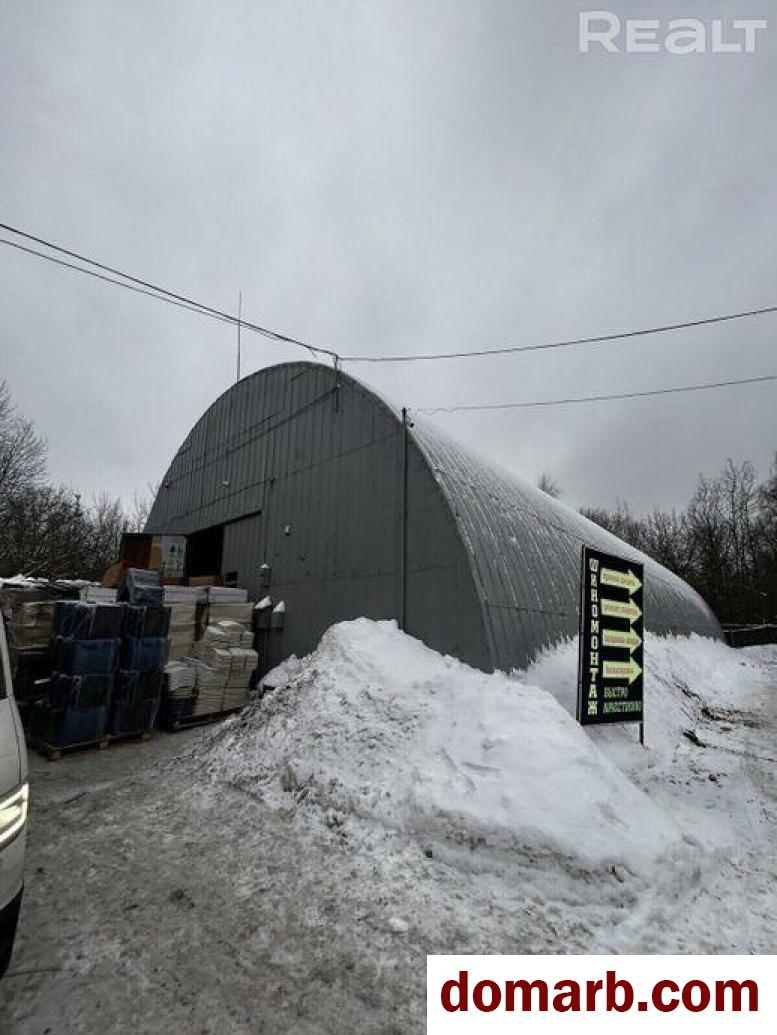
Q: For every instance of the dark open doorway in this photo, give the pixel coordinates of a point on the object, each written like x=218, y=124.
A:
x=204, y=552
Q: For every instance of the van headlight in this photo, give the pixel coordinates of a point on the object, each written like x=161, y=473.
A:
x=13, y=813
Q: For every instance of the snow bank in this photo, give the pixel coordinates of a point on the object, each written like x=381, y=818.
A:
x=704, y=704
x=283, y=673
x=708, y=673
x=375, y=727
x=725, y=678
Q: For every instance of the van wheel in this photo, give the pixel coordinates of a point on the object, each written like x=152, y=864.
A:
x=9, y=919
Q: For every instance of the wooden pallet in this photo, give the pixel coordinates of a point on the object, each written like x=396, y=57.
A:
x=137, y=735
x=52, y=752
x=199, y=720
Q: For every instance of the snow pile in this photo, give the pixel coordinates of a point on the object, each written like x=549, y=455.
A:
x=706, y=707
x=375, y=728
x=283, y=673
x=715, y=676
x=724, y=678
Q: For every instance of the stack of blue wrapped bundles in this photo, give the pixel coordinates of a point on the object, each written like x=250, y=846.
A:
x=107, y=662
x=142, y=587
x=85, y=648
x=138, y=688
x=143, y=653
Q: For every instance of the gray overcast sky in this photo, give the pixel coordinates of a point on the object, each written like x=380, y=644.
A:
x=391, y=175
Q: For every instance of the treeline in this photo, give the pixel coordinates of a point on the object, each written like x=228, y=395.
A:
x=724, y=543
x=47, y=529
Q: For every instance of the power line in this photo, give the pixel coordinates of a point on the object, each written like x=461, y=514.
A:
x=595, y=340
x=110, y=280
x=138, y=284
x=595, y=398
x=157, y=291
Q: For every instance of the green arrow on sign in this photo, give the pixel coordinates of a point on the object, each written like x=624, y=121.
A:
x=619, y=609
x=623, y=579
x=615, y=638
x=629, y=670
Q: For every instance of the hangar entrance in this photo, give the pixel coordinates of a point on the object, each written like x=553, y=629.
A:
x=204, y=552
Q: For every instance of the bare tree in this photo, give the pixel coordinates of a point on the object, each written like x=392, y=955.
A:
x=107, y=521
x=22, y=450
x=142, y=503
x=724, y=543
x=768, y=495
x=42, y=532
x=665, y=537
x=46, y=531
x=620, y=521
x=741, y=505
x=767, y=564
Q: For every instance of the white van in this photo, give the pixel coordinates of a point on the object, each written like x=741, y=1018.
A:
x=14, y=793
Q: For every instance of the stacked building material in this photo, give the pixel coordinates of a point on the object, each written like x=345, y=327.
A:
x=178, y=691
x=224, y=662
x=242, y=613
x=135, y=703
x=183, y=630
x=28, y=607
x=186, y=594
x=28, y=622
x=28, y=626
x=223, y=679
x=223, y=683
x=85, y=646
x=179, y=680
x=106, y=668
x=31, y=680
x=139, y=586
x=98, y=594
x=225, y=633
x=227, y=595
x=216, y=678
x=189, y=617
x=144, y=650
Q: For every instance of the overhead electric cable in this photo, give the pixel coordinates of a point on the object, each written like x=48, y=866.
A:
x=110, y=280
x=597, y=339
x=161, y=291
x=468, y=408
x=165, y=295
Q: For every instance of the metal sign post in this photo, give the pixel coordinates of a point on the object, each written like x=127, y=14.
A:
x=610, y=669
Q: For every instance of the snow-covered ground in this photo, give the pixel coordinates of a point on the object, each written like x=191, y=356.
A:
x=385, y=743
x=288, y=870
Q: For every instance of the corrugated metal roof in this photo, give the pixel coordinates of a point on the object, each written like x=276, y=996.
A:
x=492, y=564
x=524, y=548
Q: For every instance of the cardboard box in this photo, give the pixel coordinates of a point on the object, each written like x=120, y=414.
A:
x=163, y=553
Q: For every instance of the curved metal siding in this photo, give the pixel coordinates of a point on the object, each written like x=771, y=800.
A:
x=327, y=464
x=524, y=548
x=284, y=449
x=443, y=602
x=248, y=438
x=492, y=564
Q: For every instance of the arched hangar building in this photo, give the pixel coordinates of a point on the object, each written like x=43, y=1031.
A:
x=308, y=471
